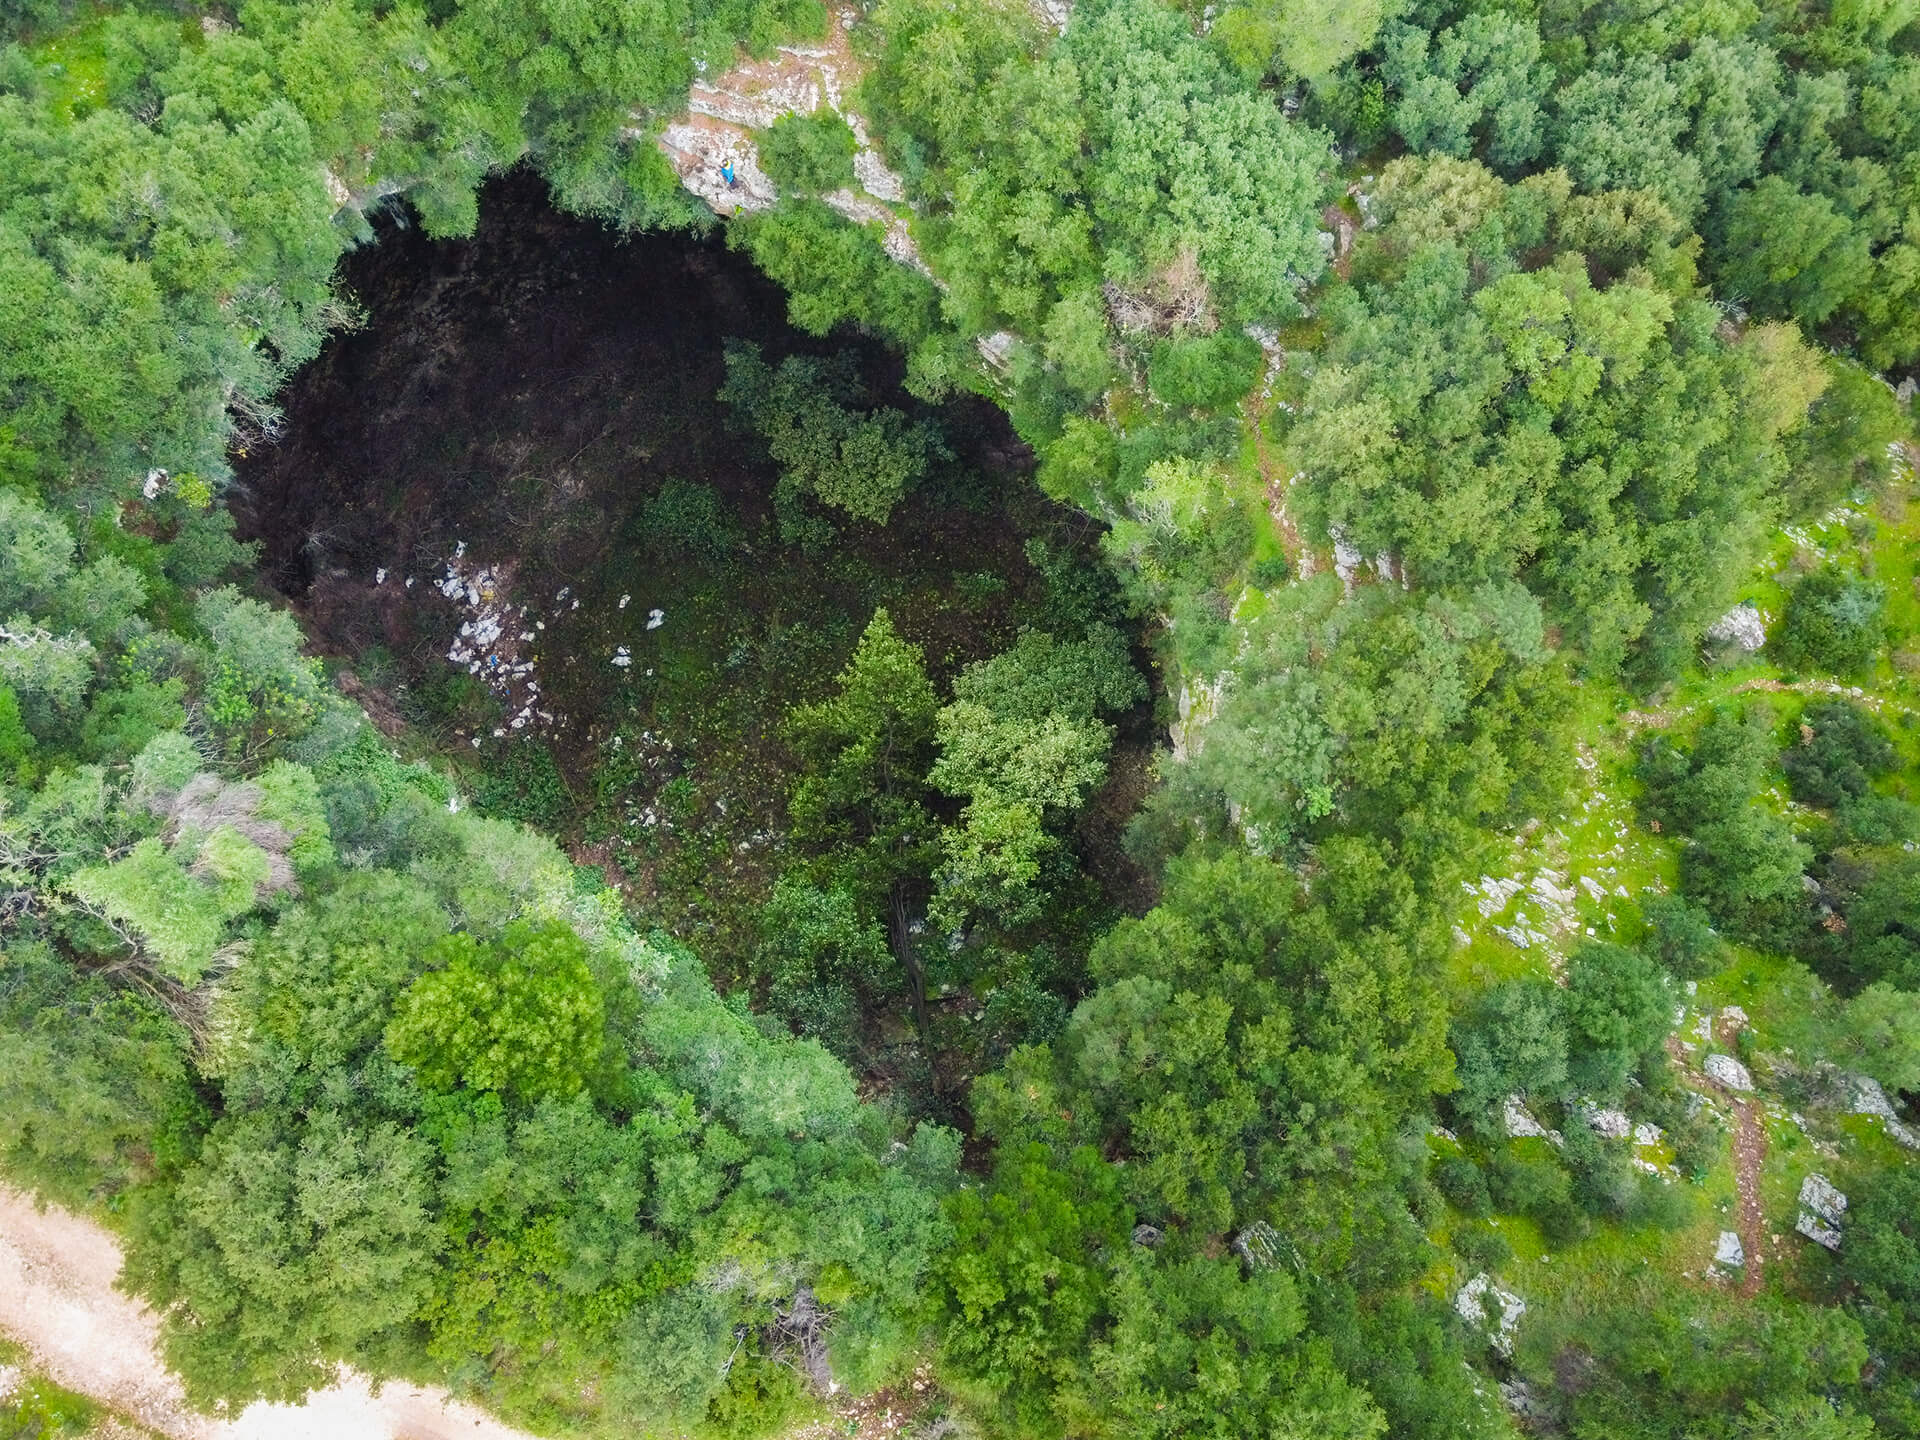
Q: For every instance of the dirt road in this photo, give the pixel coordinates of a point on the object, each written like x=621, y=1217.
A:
x=57, y=1299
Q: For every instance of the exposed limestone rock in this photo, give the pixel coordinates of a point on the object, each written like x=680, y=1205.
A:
x=1199, y=702
x=1728, y=1254
x=1868, y=1098
x=1483, y=1304
x=1822, y=1207
x=700, y=152
x=1727, y=1071
x=1742, y=628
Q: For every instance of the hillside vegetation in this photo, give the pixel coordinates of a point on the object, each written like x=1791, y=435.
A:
x=1355, y=874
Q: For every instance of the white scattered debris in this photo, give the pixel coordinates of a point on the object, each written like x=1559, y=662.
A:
x=1822, y=1207
x=622, y=658
x=380, y=576
x=1482, y=1303
x=156, y=481
x=1741, y=628
x=623, y=601
x=655, y=619
x=1727, y=1071
x=489, y=639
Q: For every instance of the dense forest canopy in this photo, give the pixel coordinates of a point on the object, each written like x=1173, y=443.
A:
x=1309, y=623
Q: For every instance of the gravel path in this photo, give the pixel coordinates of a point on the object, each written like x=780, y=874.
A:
x=57, y=1299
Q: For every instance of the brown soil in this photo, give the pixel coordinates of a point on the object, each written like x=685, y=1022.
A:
x=1749, y=1154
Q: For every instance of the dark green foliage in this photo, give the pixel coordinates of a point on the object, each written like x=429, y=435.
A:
x=853, y=458
x=834, y=270
x=1881, y=1257
x=689, y=521
x=1481, y=1247
x=1700, y=1365
x=1239, y=1044
x=1464, y=394
x=522, y=782
x=818, y=959
x=1833, y=623
x=1464, y=1184
x=1742, y=862
x=1208, y=373
x=809, y=153
x=1842, y=749
x=1618, y=1009
x=1681, y=937
x=1514, y=1041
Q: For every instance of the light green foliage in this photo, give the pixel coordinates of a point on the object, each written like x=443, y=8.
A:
x=1424, y=720
x=262, y=691
x=1881, y=1035
x=854, y=459
x=1171, y=525
x=316, y=993
x=1185, y=160
x=1568, y=464
x=290, y=798
x=522, y=1016
x=1792, y=252
x=1205, y=373
x=1478, y=82
x=1025, y=1280
x=164, y=765
x=47, y=673
x=1297, y=37
x=94, y=1084
x=291, y=1242
x=36, y=555
x=16, y=741
x=1127, y=153
x=809, y=153
x=1022, y=743
x=176, y=916
x=1199, y=1346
